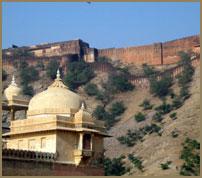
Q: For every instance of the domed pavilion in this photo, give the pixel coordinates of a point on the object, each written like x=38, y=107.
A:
x=58, y=122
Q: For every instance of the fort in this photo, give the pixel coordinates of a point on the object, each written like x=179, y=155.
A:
x=157, y=54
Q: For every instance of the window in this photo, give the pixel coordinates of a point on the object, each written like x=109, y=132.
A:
x=87, y=142
x=43, y=142
x=20, y=144
x=31, y=145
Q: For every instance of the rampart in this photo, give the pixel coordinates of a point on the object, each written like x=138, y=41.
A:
x=31, y=163
x=154, y=54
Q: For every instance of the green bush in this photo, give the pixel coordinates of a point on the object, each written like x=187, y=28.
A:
x=105, y=116
x=4, y=75
x=119, y=83
x=146, y=104
x=79, y=73
x=40, y=65
x=191, y=156
x=117, y=109
x=186, y=76
x=28, y=90
x=15, y=64
x=115, y=167
x=104, y=96
x=131, y=138
x=21, y=52
x=91, y=89
x=174, y=134
x=166, y=165
x=162, y=87
x=23, y=64
x=148, y=71
x=157, y=117
x=137, y=135
x=140, y=117
x=52, y=68
x=177, y=102
x=136, y=161
x=152, y=128
x=164, y=108
x=29, y=74
x=172, y=115
x=125, y=70
x=184, y=93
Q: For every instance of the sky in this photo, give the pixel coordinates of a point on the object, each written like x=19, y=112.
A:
x=101, y=24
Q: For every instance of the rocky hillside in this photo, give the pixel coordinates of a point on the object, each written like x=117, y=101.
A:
x=155, y=149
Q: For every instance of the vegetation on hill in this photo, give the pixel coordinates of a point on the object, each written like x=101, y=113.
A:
x=51, y=68
x=21, y=52
x=4, y=75
x=191, y=155
x=78, y=73
x=109, y=117
x=28, y=74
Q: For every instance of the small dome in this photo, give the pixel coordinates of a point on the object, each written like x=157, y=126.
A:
x=57, y=96
x=12, y=90
x=83, y=116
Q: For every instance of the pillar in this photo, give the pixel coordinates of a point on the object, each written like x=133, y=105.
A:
x=81, y=141
x=12, y=114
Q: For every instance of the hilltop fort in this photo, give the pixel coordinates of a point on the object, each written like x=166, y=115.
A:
x=152, y=54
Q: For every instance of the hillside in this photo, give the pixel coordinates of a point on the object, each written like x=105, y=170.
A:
x=154, y=149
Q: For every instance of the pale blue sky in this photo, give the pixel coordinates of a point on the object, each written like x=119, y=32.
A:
x=102, y=25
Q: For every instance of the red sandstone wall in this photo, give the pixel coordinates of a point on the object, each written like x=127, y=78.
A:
x=155, y=54
x=143, y=81
x=171, y=48
x=64, y=170
x=150, y=54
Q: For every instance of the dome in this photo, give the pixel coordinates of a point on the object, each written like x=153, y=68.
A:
x=83, y=116
x=12, y=90
x=57, y=96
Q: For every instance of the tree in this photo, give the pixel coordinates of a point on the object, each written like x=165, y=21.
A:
x=140, y=117
x=4, y=75
x=91, y=89
x=40, y=65
x=28, y=75
x=148, y=71
x=117, y=109
x=28, y=90
x=105, y=116
x=52, y=68
x=78, y=73
x=119, y=83
x=162, y=87
x=115, y=167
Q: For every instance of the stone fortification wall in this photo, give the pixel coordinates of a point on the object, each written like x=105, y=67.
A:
x=150, y=54
x=170, y=49
x=61, y=48
x=155, y=54
x=143, y=82
x=31, y=163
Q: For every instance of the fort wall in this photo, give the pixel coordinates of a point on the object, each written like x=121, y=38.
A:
x=154, y=54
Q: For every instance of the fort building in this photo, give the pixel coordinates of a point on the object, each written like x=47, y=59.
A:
x=152, y=54
x=58, y=123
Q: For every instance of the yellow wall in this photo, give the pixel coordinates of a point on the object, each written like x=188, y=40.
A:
x=65, y=145
x=50, y=141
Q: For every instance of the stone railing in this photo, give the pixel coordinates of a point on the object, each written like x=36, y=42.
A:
x=25, y=154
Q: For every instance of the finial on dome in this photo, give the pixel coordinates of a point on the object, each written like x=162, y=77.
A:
x=13, y=81
x=58, y=74
x=82, y=105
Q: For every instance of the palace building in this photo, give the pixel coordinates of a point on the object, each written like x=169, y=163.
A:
x=57, y=123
